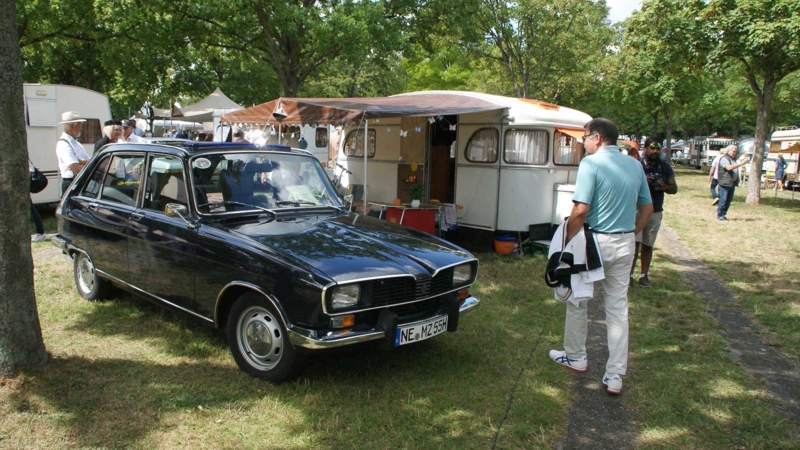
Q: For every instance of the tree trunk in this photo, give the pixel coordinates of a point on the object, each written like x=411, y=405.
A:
x=20, y=335
x=655, y=123
x=763, y=102
x=668, y=125
x=736, y=124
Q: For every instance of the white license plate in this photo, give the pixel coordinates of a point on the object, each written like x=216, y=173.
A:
x=408, y=334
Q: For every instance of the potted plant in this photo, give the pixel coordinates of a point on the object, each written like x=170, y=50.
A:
x=416, y=191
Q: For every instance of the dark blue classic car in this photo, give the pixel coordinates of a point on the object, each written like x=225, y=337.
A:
x=256, y=240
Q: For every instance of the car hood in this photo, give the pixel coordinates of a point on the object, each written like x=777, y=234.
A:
x=350, y=247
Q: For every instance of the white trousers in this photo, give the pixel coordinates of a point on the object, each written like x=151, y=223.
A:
x=616, y=251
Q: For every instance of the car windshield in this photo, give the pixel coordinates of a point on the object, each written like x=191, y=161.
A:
x=252, y=181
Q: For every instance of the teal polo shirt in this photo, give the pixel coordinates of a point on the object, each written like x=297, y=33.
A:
x=612, y=184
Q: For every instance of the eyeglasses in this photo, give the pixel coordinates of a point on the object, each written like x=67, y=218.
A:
x=654, y=145
x=586, y=136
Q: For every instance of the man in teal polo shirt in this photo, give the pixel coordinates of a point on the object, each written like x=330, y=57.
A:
x=611, y=195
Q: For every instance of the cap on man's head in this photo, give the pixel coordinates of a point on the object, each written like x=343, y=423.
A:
x=71, y=117
x=112, y=122
x=129, y=123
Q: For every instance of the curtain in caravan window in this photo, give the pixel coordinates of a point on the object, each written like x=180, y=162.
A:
x=568, y=150
x=526, y=147
x=482, y=146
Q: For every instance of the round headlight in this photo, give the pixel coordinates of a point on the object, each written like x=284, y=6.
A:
x=462, y=274
x=345, y=296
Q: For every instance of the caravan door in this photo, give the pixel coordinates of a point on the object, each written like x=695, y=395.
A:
x=478, y=174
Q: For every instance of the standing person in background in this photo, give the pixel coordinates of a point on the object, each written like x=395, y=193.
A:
x=181, y=134
x=238, y=136
x=713, y=175
x=780, y=171
x=611, y=196
x=35, y=216
x=660, y=181
x=72, y=157
x=112, y=132
x=128, y=132
x=728, y=179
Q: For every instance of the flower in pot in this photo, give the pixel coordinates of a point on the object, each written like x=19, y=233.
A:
x=416, y=191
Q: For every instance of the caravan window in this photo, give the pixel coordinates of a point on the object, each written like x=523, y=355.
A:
x=321, y=138
x=354, y=144
x=526, y=147
x=482, y=146
x=568, y=150
x=90, y=132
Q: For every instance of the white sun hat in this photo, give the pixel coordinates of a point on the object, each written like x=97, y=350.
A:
x=70, y=117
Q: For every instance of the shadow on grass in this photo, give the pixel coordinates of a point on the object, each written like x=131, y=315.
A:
x=686, y=388
x=448, y=392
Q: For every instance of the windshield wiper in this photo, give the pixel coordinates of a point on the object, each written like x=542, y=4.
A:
x=296, y=203
x=230, y=202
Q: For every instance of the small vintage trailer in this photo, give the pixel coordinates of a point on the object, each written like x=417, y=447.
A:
x=44, y=104
x=503, y=160
x=785, y=140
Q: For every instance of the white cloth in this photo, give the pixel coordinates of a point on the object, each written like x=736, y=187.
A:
x=69, y=153
x=582, y=283
x=133, y=139
x=616, y=251
x=715, y=166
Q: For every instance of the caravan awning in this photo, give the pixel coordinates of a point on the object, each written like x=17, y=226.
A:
x=337, y=111
x=791, y=149
x=577, y=134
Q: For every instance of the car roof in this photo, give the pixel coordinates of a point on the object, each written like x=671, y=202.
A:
x=192, y=148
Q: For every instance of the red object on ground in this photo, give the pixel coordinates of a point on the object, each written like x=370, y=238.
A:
x=422, y=219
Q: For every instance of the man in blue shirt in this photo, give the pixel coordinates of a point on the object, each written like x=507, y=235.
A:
x=611, y=195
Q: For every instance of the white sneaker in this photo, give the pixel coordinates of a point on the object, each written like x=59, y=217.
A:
x=613, y=383
x=39, y=238
x=559, y=356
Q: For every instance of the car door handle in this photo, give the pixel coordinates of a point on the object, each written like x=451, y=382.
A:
x=92, y=206
x=137, y=216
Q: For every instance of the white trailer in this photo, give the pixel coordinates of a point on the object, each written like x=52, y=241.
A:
x=786, y=138
x=504, y=168
x=44, y=104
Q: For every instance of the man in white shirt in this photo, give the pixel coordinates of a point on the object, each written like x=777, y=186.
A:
x=128, y=135
x=713, y=175
x=72, y=157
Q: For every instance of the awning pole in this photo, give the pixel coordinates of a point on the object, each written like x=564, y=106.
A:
x=366, y=152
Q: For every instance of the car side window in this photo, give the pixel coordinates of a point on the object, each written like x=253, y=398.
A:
x=165, y=183
x=96, y=179
x=121, y=183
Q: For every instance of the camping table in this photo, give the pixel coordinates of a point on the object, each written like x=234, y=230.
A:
x=422, y=218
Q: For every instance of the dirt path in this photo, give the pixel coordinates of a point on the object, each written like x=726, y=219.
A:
x=744, y=335
x=597, y=420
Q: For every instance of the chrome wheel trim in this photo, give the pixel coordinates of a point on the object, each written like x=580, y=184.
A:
x=260, y=338
x=85, y=274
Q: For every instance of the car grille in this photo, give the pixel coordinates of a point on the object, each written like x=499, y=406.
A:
x=398, y=290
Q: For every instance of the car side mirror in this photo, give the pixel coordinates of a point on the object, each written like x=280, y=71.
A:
x=178, y=210
x=348, y=198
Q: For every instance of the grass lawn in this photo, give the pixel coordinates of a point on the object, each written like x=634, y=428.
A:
x=125, y=373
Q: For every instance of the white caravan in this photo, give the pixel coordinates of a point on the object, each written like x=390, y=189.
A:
x=44, y=104
x=782, y=139
x=508, y=170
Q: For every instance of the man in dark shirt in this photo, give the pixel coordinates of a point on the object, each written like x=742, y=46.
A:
x=660, y=180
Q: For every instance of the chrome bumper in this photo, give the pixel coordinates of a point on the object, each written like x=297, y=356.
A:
x=311, y=339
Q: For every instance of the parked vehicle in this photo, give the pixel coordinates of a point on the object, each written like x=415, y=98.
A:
x=44, y=104
x=256, y=241
x=783, y=139
x=501, y=166
x=703, y=149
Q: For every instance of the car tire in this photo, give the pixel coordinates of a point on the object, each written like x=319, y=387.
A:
x=258, y=339
x=90, y=285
